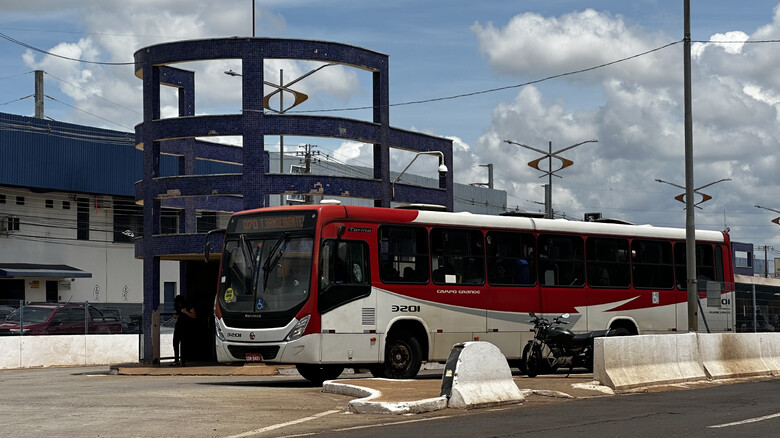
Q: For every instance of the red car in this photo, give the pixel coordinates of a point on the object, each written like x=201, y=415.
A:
x=58, y=319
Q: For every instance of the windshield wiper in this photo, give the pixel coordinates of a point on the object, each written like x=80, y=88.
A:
x=273, y=257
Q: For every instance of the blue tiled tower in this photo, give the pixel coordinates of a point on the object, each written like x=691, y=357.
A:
x=252, y=187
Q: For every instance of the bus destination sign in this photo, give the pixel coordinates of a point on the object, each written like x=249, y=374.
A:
x=275, y=223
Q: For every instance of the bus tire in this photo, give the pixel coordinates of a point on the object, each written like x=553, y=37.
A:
x=403, y=358
x=620, y=331
x=317, y=374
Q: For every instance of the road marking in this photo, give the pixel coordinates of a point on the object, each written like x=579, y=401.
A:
x=749, y=420
x=391, y=424
x=281, y=425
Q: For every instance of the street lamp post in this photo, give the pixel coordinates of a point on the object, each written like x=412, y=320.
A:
x=442, y=167
x=682, y=196
x=549, y=155
x=280, y=89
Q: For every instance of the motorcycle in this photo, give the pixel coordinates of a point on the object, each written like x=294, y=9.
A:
x=554, y=346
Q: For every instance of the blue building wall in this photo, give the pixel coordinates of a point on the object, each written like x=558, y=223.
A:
x=49, y=155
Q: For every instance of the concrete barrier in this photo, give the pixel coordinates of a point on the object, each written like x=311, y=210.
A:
x=770, y=351
x=476, y=375
x=728, y=355
x=625, y=362
x=64, y=350
x=10, y=352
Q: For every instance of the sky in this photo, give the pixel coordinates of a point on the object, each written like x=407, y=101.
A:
x=534, y=72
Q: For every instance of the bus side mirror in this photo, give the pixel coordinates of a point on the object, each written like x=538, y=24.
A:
x=207, y=245
x=207, y=251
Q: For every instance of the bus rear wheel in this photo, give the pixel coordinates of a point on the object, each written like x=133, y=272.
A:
x=403, y=358
x=317, y=374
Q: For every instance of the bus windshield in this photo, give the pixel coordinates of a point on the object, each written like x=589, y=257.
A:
x=265, y=273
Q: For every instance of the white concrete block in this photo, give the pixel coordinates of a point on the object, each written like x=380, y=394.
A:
x=729, y=355
x=482, y=377
x=56, y=350
x=111, y=349
x=10, y=352
x=625, y=362
x=770, y=351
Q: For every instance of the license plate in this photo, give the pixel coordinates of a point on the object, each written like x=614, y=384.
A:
x=253, y=357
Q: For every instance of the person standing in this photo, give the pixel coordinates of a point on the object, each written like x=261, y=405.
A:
x=185, y=318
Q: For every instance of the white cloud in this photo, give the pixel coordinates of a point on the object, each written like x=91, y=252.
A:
x=117, y=30
x=531, y=44
x=639, y=123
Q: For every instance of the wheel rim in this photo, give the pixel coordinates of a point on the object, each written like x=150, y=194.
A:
x=400, y=356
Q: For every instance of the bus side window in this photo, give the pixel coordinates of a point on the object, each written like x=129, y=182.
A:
x=652, y=264
x=561, y=260
x=607, y=262
x=344, y=273
x=403, y=254
x=458, y=256
x=510, y=258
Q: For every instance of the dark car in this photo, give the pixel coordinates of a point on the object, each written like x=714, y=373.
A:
x=58, y=319
x=5, y=311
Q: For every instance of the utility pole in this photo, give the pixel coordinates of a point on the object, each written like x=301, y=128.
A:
x=549, y=155
x=39, y=94
x=690, y=226
x=308, y=151
x=766, y=258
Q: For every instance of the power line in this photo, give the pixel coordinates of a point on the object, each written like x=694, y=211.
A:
x=94, y=94
x=27, y=46
x=87, y=112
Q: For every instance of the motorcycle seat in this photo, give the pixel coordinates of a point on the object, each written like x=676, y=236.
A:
x=588, y=337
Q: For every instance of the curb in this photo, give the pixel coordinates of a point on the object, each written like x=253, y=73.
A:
x=365, y=405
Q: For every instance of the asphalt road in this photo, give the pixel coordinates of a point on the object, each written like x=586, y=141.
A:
x=89, y=402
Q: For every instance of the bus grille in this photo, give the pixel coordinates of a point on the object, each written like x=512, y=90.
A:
x=369, y=316
x=267, y=352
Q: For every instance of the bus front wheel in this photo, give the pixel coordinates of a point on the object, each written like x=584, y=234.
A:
x=319, y=373
x=403, y=358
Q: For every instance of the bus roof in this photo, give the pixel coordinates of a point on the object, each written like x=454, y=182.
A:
x=501, y=222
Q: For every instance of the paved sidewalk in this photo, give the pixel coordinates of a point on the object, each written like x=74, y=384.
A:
x=428, y=385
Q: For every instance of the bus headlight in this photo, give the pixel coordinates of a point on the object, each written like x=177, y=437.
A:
x=220, y=335
x=298, y=330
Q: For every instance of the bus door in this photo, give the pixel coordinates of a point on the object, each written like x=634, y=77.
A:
x=512, y=291
x=346, y=303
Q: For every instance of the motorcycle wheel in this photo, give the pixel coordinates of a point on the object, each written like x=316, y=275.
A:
x=532, y=359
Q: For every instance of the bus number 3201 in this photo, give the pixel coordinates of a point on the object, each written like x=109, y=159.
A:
x=397, y=308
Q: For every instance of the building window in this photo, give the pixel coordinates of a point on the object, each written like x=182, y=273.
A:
x=169, y=221
x=82, y=219
x=128, y=220
x=2, y=198
x=49, y=203
x=20, y=200
x=9, y=223
x=66, y=205
x=207, y=221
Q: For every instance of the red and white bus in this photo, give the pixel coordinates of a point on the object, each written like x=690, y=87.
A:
x=330, y=286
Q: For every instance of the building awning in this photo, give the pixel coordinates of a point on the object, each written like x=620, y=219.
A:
x=37, y=270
